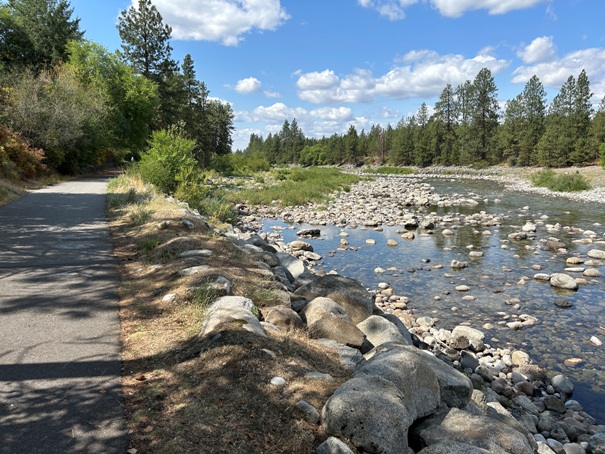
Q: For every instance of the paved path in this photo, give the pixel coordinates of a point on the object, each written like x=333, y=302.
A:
x=60, y=388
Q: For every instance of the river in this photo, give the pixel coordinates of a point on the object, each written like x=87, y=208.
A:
x=504, y=273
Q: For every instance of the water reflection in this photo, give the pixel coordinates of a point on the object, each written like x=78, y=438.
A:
x=506, y=267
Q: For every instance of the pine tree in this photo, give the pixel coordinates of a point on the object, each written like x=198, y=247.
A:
x=533, y=106
x=580, y=122
x=35, y=33
x=597, y=133
x=145, y=40
x=445, y=117
x=484, y=113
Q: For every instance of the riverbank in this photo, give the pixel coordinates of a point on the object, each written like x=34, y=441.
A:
x=230, y=389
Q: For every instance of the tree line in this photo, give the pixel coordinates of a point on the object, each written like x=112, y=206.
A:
x=83, y=105
x=466, y=127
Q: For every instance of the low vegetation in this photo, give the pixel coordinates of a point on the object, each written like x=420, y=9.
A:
x=295, y=186
x=561, y=182
x=385, y=170
x=186, y=394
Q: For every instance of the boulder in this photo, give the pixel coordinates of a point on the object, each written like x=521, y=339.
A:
x=295, y=266
x=562, y=385
x=459, y=426
x=231, y=313
x=284, y=318
x=379, y=330
x=349, y=293
x=333, y=446
x=448, y=447
x=562, y=280
x=410, y=373
x=327, y=319
x=596, y=443
x=298, y=245
x=371, y=413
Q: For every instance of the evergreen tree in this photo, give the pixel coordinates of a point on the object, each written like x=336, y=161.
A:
x=464, y=104
x=351, y=140
x=35, y=33
x=423, y=150
x=145, y=39
x=511, y=132
x=445, y=116
x=580, y=123
x=533, y=111
x=597, y=132
x=484, y=110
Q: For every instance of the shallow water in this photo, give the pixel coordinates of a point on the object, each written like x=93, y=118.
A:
x=559, y=334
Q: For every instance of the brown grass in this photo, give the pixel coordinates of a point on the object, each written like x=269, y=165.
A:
x=185, y=394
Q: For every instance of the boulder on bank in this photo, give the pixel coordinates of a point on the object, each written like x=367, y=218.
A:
x=474, y=336
x=371, y=413
x=327, y=319
x=284, y=318
x=231, y=312
x=379, y=330
x=410, y=373
x=347, y=292
x=479, y=431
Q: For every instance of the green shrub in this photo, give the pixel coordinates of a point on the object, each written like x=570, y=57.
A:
x=169, y=153
x=391, y=170
x=191, y=187
x=563, y=182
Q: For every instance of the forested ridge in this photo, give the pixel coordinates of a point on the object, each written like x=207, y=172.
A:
x=73, y=103
x=465, y=127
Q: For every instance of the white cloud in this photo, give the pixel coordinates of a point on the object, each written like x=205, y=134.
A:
x=248, y=85
x=419, y=73
x=555, y=72
x=272, y=94
x=395, y=9
x=224, y=21
x=333, y=113
x=540, y=50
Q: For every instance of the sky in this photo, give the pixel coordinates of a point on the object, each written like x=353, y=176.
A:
x=333, y=63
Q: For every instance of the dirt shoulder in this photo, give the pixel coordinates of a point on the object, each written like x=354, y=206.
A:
x=185, y=394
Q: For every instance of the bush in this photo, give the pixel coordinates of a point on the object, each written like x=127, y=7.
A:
x=169, y=155
x=17, y=159
x=548, y=178
x=191, y=187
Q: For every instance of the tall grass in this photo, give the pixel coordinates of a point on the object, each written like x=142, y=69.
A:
x=385, y=170
x=298, y=186
x=561, y=182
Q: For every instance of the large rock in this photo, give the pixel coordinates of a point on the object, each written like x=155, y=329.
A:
x=459, y=426
x=562, y=280
x=410, y=373
x=333, y=446
x=474, y=336
x=596, y=443
x=371, y=413
x=349, y=293
x=328, y=319
x=448, y=447
x=455, y=387
x=284, y=318
x=379, y=330
x=295, y=266
x=231, y=313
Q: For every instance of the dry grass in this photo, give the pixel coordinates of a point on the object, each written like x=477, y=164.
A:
x=185, y=394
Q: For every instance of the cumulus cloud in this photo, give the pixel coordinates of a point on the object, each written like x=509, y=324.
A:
x=419, y=73
x=272, y=94
x=248, y=85
x=223, y=21
x=540, y=50
x=395, y=9
x=554, y=73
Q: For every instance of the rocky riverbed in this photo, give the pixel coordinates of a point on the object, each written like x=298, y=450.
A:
x=413, y=209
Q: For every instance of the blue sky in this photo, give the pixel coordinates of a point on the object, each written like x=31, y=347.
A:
x=332, y=63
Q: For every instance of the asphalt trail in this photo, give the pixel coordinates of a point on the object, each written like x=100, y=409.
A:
x=60, y=367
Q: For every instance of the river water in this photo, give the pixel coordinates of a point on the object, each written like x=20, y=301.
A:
x=560, y=333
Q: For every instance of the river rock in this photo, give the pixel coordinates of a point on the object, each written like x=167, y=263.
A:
x=591, y=272
x=369, y=411
x=596, y=443
x=410, y=373
x=295, y=266
x=379, y=330
x=457, y=265
x=231, y=313
x=348, y=293
x=562, y=385
x=448, y=447
x=596, y=254
x=475, y=337
x=392, y=243
x=459, y=426
x=309, y=233
x=301, y=246
x=562, y=280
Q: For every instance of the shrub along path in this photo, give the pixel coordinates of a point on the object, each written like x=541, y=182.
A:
x=59, y=353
